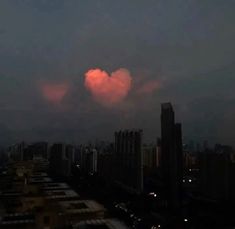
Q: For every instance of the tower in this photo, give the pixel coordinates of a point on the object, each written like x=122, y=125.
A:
x=171, y=142
x=129, y=159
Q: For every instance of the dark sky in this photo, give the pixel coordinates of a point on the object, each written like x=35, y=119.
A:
x=185, y=47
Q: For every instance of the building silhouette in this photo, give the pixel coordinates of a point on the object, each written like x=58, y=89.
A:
x=88, y=159
x=171, y=155
x=217, y=169
x=128, y=160
x=61, y=159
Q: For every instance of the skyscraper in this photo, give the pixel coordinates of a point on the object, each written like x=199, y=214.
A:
x=61, y=159
x=171, y=142
x=128, y=160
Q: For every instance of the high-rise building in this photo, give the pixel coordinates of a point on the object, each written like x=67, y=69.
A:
x=88, y=159
x=158, y=150
x=128, y=160
x=216, y=176
x=171, y=155
x=41, y=150
x=151, y=156
x=16, y=152
x=61, y=159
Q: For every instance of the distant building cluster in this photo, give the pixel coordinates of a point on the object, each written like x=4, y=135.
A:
x=172, y=172
x=31, y=199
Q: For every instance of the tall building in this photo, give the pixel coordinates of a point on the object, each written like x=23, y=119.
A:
x=158, y=150
x=151, y=156
x=41, y=150
x=171, y=147
x=16, y=152
x=128, y=160
x=216, y=177
x=61, y=159
x=88, y=159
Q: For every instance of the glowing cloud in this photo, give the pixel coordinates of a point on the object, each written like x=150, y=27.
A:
x=149, y=87
x=108, y=90
x=54, y=92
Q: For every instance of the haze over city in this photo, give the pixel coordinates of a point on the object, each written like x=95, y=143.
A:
x=148, y=52
x=117, y=114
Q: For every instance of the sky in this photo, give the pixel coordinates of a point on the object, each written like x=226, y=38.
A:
x=76, y=71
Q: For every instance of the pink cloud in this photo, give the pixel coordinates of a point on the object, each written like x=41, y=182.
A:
x=54, y=92
x=149, y=87
x=108, y=89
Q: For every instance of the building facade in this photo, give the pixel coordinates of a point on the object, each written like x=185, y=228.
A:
x=128, y=160
x=171, y=148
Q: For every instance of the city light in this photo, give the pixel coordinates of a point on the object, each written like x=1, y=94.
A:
x=155, y=227
x=153, y=194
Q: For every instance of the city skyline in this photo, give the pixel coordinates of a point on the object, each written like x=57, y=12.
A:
x=165, y=184
x=117, y=114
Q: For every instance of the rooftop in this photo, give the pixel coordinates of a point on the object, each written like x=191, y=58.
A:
x=58, y=194
x=100, y=224
x=81, y=206
x=166, y=105
x=55, y=186
x=17, y=218
x=39, y=180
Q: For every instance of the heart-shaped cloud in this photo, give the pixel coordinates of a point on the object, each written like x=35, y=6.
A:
x=108, y=90
x=54, y=92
